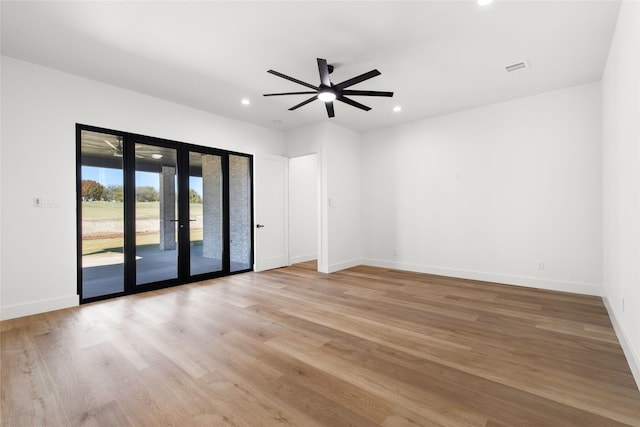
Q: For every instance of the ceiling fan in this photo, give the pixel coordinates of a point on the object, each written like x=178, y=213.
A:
x=117, y=151
x=329, y=92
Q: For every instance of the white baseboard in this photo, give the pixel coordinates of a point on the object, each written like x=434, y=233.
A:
x=531, y=282
x=633, y=357
x=36, y=307
x=344, y=265
x=303, y=258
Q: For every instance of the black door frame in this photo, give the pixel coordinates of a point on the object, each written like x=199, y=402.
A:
x=183, y=248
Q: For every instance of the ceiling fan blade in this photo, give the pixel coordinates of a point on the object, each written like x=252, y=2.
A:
x=353, y=103
x=303, y=103
x=366, y=93
x=288, y=93
x=111, y=145
x=330, y=111
x=358, y=79
x=300, y=82
x=323, y=68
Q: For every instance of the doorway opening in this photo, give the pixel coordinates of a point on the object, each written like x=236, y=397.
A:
x=304, y=199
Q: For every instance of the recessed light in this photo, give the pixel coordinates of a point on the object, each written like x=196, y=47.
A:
x=156, y=156
x=484, y=2
x=245, y=101
x=397, y=109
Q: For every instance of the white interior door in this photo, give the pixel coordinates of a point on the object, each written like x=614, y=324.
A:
x=271, y=181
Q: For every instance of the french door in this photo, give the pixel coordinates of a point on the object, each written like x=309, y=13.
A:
x=154, y=213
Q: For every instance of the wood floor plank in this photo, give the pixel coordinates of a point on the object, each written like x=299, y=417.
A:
x=32, y=398
x=427, y=406
x=292, y=347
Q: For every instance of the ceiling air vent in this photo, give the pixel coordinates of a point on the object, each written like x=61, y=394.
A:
x=518, y=66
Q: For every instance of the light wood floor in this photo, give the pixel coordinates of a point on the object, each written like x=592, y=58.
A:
x=292, y=347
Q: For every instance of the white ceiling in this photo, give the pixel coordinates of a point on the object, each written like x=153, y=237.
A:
x=437, y=56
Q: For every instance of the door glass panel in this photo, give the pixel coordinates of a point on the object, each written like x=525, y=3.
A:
x=205, y=213
x=102, y=211
x=240, y=212
x=213, y=237
x=156, y=216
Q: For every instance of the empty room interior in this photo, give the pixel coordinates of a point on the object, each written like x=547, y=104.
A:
x=301, y=213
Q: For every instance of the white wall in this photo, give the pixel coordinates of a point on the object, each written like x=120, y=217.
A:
x=306, y=140
x=303, y=208
x=621, y=181
x=490, y=193
x=40, y=108
x=339, y=151
x=343, y=205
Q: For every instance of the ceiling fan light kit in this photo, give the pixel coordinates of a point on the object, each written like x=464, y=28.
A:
x=326, y=95
x=328, y=92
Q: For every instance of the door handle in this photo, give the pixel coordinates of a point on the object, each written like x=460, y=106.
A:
x=181, y=225
x=259, y=226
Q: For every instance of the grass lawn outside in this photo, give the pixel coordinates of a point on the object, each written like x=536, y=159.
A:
x=115, y=244
x=106, y=222
x=105, y=211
